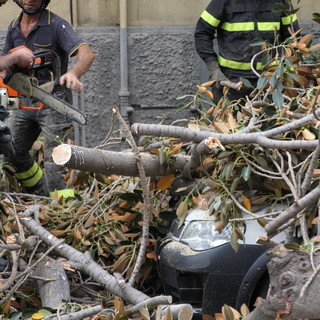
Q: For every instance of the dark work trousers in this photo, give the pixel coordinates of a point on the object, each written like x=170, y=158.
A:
x=26, y=126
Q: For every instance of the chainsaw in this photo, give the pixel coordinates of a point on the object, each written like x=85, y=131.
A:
x=36, y=82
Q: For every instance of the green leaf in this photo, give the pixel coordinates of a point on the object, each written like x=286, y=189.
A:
x=246, y=172
x=277, y=98
x=262, y=82
x=273, y=81
x=258, y=42
x=234, y=184
x=280, y=70
x=316, y=17
x=182, y=97
x=246, y=82
x=292, y=246
x=270, y=110
x=217, y=203
x=17, y=316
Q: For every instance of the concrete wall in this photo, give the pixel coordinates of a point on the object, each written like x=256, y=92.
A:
x=162, y=62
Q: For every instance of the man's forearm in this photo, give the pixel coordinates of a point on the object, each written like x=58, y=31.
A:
x=84, y=59
x=6, y=61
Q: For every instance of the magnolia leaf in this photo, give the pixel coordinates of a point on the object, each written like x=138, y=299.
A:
x=292, y=246
x=219, y=316
x=246, y=172
x=176, y=149
x=245, y=82
x=228, y=313
x=308, y=135
x=182, y=209
x=6, y=307
x=37, y=315
x=277, y=98
x=244, y=310
x=246, y=202
x=144, y=313
x=316, y=17
x=165, y=182
x=221, y=127
x=234, y=241
x=167, y=315
x=220, y=226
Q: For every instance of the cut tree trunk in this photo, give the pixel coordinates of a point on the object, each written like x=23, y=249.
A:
x=110, y=162
x=294, y=289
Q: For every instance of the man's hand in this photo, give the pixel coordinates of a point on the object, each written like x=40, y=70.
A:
x=215, y=73
x=22, y=57
x=71, y=81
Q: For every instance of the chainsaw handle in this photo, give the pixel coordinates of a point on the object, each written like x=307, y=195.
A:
x=45, y=57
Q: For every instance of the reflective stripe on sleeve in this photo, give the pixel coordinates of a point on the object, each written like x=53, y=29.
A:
x=207, y=17
x=289, y=19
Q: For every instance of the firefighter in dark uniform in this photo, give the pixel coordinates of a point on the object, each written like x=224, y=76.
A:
x=38, y=28
x=236, y=24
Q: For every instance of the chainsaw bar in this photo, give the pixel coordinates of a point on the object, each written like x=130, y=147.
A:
x=58, y=105
x=24, y=85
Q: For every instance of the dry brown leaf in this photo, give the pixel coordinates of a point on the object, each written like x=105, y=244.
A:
x=246, y=202
x=176, y=149
x=221, y=127
x=165, y=182
x=308, y=135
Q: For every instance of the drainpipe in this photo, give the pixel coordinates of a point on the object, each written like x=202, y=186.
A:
x=124, y=93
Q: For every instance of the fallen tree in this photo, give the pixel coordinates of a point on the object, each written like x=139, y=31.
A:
x=269, y=146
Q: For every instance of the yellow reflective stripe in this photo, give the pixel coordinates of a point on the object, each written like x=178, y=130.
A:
x=289, y=19
x=237, y=65
x=31, y=177
x=29, y=173
x=268, y=26
x=66, y=193
x=207, y=17
x=238, y=26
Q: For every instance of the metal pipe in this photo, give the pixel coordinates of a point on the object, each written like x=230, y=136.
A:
x=124, y=90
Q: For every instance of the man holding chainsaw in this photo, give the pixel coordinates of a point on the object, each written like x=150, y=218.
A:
x=37, y=29
x=23, y=57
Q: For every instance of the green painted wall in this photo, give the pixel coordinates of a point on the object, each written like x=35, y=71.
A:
x=102, y=13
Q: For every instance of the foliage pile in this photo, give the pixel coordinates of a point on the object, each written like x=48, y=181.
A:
x=103, y=219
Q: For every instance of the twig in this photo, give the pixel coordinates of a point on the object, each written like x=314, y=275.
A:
x=147, y=206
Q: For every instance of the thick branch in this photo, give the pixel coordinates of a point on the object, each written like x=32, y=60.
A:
x=110, y=162
x=293, y=210
x=261, y=138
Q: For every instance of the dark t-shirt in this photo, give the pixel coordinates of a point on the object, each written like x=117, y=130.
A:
x=50, y=32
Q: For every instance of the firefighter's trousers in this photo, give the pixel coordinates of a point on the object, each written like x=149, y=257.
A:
x=26, y=126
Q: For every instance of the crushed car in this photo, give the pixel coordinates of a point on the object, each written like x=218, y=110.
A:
x=198, y=265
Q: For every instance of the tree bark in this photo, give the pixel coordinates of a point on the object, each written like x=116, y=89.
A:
x=261, y=138
x=54, y=292
x=110, y=162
